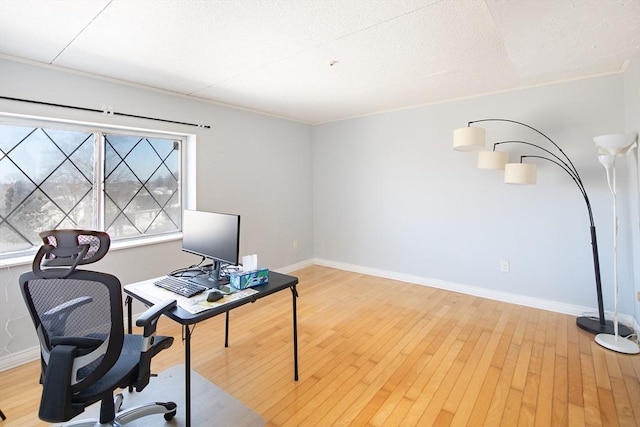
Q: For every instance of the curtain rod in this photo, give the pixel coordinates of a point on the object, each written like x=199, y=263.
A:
x=105, y=111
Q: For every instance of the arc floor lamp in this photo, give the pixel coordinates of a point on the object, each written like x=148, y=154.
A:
x=472, y=138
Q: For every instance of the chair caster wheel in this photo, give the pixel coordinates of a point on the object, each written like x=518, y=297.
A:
x=172, y=407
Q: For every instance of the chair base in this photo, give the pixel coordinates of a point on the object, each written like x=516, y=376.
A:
x=128, y=415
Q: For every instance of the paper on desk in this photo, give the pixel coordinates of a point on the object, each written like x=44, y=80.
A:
x=199, y=303
x=195, y=304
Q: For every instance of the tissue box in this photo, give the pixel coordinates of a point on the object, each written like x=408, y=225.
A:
x=247, y=279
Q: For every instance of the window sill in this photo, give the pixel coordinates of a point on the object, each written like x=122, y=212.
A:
x=115, y=246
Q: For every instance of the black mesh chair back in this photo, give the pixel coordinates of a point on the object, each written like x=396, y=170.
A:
x=78, y=316
x=79, y=320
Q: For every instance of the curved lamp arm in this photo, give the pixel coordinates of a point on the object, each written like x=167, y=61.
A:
x=564, y=165
x=575, y=179
x=571, y=167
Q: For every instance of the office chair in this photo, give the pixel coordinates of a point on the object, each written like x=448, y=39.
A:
x=85, y=354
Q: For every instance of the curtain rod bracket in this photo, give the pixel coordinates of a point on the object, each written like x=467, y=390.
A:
x=107, y=111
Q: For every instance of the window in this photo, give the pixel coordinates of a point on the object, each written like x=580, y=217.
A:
x=60, y=176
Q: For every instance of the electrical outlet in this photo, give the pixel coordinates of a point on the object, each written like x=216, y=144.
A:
x=504, y=266
x=295, y=245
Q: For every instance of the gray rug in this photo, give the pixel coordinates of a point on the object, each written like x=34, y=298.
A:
x=210, y=405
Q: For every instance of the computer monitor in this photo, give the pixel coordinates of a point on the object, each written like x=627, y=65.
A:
x=212, y=235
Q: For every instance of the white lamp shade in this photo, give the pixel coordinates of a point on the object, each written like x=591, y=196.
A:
x=615, y=144
x=520, y=173
x=469, y=139
x=492, y=159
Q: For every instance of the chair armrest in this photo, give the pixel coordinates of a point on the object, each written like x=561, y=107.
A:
x=56, y=403
x=149, y=318
x=150, y=347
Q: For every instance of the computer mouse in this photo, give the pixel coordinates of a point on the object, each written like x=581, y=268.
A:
x=214, y=296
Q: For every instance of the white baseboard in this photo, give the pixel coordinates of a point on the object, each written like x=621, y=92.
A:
x=293, y=267
x=20, y=357
x=543, y=304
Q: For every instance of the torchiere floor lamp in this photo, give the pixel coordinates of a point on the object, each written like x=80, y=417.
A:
x=610, y=147
x=473, y=139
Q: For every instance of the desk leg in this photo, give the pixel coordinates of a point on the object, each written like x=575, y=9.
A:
x=129, y=302
x=294, y=294
x=226, y=330
x=187, y=373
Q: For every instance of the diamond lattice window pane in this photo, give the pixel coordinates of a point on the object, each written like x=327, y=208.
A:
x=162, y=224
x=37, y=156
x=119, y=227
x=36, y=214
x=163, y=184
x=12, y=240
x=15, y=187
x=83, y=159
x=68, y=141
x=122, y=186
x=143, y=160
x=116, y=148
x=143, y=180
x=172, y=163
x=11, y=135
x=142, y=210
x=66, y=186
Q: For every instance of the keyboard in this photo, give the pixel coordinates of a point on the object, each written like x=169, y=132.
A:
x=180, y=287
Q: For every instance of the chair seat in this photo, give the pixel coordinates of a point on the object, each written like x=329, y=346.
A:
x=123, y=373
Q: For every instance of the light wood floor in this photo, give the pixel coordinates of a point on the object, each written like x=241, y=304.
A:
x=380, y=352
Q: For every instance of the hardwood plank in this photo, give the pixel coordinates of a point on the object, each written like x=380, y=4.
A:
x=479, y=414
x=576, y=415
x=512, y=408
x=544, y=407
x=574, y=375
x=590, y=392
x=559, y=411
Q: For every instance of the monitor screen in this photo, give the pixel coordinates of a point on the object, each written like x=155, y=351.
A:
x=212, y=235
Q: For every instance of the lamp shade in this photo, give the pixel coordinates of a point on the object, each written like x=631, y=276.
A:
x=615, y=144
x=492, y=159
x=520, y=173
x=469, y=139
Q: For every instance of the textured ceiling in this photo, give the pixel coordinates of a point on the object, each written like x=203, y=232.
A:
x=276, y=56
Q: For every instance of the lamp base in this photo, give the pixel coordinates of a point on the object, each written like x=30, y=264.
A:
x=594, y=326
x=617, y=343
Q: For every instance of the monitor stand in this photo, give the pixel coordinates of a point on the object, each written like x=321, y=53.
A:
x=213, y=279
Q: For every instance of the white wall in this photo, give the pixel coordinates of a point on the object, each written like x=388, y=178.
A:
x=247, y=163
x=631, y=163
x=391, y=194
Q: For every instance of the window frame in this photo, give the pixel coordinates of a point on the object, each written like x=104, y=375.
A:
x=186, y=187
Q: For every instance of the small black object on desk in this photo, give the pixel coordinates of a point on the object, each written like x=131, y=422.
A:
x=214, y=296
